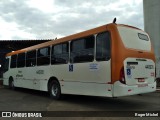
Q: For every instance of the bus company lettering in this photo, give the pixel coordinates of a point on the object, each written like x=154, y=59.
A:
x=19, y=74
x=93, y=67
x=40, y=71
x=19, y=71
x=130, y=67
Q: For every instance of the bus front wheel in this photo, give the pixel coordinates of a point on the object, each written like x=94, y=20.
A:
x=11, y=84
x=55, y=90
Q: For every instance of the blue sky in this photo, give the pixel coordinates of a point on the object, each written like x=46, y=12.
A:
x=48, y=19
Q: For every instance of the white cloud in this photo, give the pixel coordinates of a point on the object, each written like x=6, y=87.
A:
x=10, y=30
x=42, y=5
x=44, y=19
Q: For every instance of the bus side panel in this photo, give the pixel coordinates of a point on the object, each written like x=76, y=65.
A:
x=29, y=76
x=43, y=74
x=19, y=77
x=88, y=79
x=116, y=55
x=91, y=89
x=6, y=78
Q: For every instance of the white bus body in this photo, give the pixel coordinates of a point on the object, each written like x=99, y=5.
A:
x=127, y=69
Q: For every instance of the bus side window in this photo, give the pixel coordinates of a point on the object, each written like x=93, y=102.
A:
x=82, y=50
x=103, y=46
x=31, y=58
x=43, y=56
x=60, y=54
x=21, y=60
x=6, y=65
x=13, y=61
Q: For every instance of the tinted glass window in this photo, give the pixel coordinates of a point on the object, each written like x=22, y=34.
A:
x=103, y=47
x=43, y=56
x=82, y=50
x=31, y=58
x=6, y=65
x=21, y=60
x=13, y=61
x=78, y=45
x=60, y=54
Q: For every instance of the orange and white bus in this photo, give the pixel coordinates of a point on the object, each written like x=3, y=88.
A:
x=111, y=60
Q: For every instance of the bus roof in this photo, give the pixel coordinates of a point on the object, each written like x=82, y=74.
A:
x=129, y=26
x=67, y=38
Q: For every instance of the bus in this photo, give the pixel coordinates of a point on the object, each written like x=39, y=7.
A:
x=112, y=60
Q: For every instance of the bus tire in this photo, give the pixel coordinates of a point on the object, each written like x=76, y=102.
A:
x=11, y=84
x=54, y=90
x=158, y=82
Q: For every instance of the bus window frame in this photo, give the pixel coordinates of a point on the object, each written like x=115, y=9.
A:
x=26, y=58
x=107, y=58
x=83, y=38
x=49, y=56
x=7, y=61
x=67, y=52
x=21, y=60
x=14, y=62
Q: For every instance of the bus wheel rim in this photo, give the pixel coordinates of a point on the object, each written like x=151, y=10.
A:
x=12, y=84
x=54, y=90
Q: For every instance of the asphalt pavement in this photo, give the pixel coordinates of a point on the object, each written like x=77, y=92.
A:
x=32, y=100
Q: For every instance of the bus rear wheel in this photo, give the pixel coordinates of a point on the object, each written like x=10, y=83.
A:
x=55, y=90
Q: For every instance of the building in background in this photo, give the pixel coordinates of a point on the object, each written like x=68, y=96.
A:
x=152, y=27
x=7, y=46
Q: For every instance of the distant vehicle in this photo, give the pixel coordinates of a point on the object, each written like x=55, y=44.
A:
x=111, y=60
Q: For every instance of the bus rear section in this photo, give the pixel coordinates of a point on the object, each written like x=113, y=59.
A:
x=136, y=65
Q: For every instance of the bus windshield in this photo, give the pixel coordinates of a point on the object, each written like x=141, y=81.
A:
x=134, y=38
